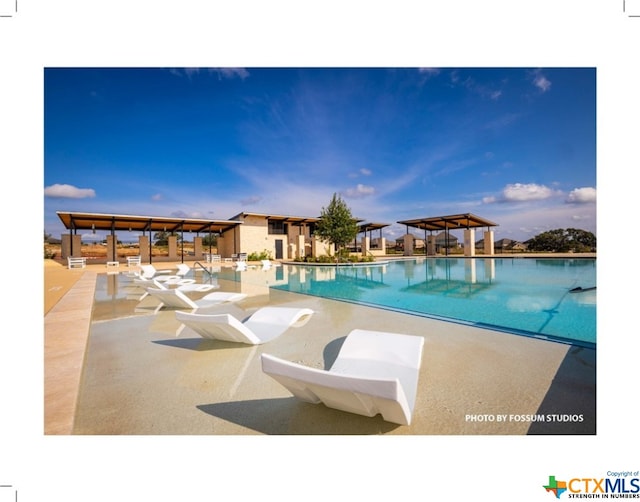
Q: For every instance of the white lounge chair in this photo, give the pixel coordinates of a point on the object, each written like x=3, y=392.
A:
x=264, y=325
x=145, y=283
x=190, y=285
x=175, y=298
x=178, y=278
x=183, y=269
x=240, y=266
x=375, y=373
x=149, y=271
x=184, y=285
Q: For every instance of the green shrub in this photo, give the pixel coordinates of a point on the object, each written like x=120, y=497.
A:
x=330, y=260
x=264, y=255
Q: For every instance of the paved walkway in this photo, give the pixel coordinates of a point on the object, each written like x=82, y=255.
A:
x=66, y=329
x=68, y=302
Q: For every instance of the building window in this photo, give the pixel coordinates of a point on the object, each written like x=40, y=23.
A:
x=277, y=227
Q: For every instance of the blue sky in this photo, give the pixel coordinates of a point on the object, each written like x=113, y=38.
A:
x=513, y=145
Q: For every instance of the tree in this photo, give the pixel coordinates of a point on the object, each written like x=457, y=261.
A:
x=563, y=241
x=210, y=240
x=161, y=238
x=336, y=224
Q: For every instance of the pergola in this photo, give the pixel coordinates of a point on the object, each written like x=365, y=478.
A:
x=150, y=224
x=448, y=223
x=369, y=227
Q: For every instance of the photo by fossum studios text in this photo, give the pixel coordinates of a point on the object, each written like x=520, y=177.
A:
x=551, y=417
x=617, y=484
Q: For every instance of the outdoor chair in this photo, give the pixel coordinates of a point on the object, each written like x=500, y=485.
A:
x=263, y=326
x=375, y=373
x=175, y=298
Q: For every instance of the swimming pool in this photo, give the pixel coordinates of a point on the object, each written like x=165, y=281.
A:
x=526, y=296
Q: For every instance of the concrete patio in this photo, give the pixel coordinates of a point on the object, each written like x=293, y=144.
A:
x=133, y=373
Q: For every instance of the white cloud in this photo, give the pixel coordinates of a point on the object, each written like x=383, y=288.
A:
x=359, y=191
x=249, y=201
x=91, y=237
x=582, y=195
x=427, y=74
x=157, y=196
x=519, y=192
x=184, y=214
x=361, y=172
x=541, y=82
x=184, y=72
x=222, y=73
x=522, y=192
x=232, y=73
x=530, y=221
x=178, y=214
x=68, y=192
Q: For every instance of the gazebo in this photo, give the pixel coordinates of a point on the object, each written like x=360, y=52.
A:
x=145, y=225
x=466, y=221
x=368, y=246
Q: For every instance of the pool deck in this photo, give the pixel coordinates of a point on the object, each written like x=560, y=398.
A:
x=153, y=377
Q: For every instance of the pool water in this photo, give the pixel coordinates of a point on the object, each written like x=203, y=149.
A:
x=525, y=296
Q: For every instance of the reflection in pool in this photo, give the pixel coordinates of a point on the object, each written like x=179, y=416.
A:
x=522, y=295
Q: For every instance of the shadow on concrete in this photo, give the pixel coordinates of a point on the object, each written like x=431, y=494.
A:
x=330, y=352
x=200, y=344
x=572, y=395
x=289, y=415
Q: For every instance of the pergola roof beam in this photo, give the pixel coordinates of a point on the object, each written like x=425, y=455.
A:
x=113, y=222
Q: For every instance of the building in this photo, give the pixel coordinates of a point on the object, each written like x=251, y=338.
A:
x=282, y=237
x=504, y=246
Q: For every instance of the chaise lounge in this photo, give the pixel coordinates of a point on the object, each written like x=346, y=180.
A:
x=375, y=373
x=174, y=298
x=262, y=326
x=149, y=271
